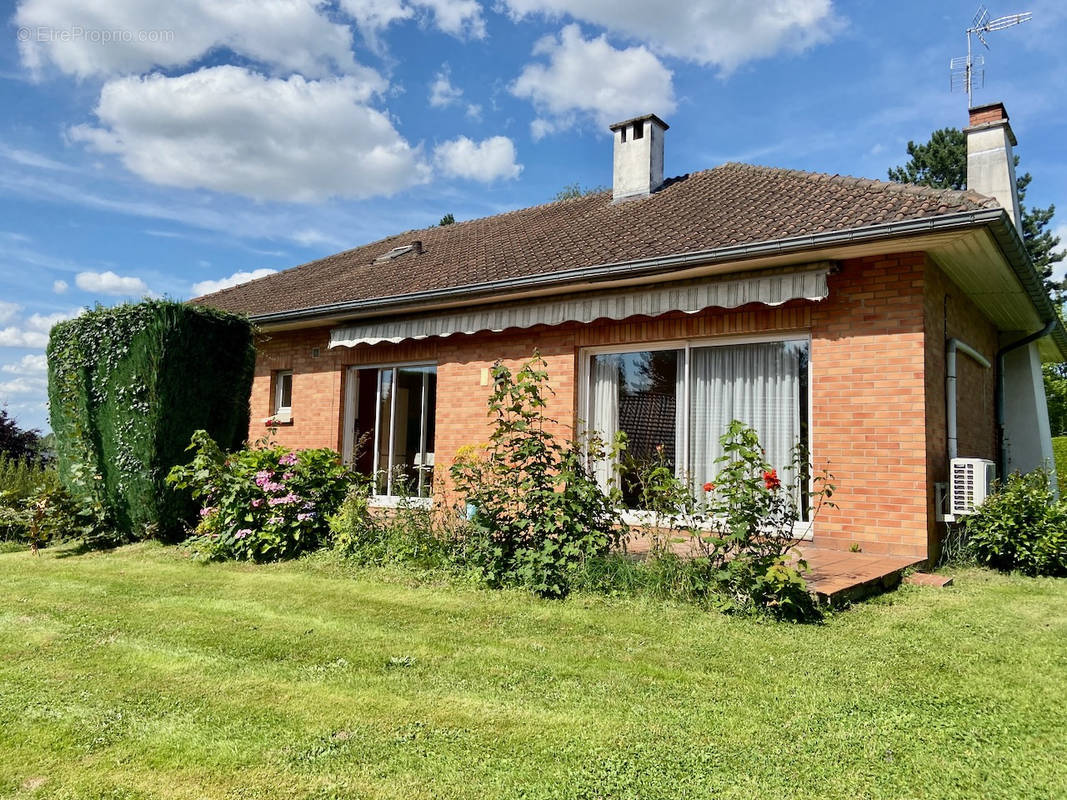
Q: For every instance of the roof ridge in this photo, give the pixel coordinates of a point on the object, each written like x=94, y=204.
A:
x=890, y=186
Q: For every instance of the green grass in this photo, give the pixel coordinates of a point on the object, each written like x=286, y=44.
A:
x=1059, y=453
x=140, y=674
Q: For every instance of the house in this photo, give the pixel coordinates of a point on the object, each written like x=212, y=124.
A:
x=891, y=327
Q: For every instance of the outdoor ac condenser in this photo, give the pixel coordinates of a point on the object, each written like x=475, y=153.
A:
x=971, y=481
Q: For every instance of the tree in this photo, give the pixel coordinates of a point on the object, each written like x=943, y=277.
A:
x=14, y=441
x=447, y=219
x=1056, y=395
x=573, y=190
x=942, y=163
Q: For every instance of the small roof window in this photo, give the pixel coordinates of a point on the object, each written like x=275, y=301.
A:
x=396, y=252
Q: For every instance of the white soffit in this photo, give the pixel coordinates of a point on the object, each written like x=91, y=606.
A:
x=691, y=297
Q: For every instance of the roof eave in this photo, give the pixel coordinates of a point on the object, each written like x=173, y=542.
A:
x=996, y=219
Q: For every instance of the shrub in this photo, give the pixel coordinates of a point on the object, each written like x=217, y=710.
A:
x=127, y=387
x=1021, y=526
x=536, y=509
x=744, y=527
x=34, y=507
x=407, y=535
x=261, y=504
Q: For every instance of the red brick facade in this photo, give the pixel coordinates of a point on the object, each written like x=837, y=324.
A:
x=877, y=387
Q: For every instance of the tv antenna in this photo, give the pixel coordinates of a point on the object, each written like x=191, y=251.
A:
x=969, y=71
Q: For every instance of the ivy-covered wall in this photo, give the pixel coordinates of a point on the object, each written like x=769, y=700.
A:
x=127, y=387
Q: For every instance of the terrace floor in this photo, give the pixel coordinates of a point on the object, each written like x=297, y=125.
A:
x=834, y=575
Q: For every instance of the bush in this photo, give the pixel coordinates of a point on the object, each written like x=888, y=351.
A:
x=34, y=507
x=127, y=387
x=406, y=535
x=744, y=528
x=1021, y=526
x=260, y=504
x=536, y=509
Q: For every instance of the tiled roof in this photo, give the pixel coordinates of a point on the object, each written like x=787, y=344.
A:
x=733, y=204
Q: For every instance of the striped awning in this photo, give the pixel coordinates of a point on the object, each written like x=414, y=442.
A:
x=769, y=288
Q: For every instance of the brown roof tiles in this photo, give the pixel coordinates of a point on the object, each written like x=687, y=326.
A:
x=730, y=205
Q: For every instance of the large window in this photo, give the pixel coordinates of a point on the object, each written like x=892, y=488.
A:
x=390, y=427
x=681, y=399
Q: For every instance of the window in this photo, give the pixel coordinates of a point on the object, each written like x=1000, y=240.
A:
x=681, y=398
x=390, y=427
x=283, y=394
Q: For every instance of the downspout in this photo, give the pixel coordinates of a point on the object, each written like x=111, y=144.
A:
x=999, y=400
x=950, y=389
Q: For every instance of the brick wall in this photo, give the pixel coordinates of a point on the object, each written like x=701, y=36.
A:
x=874, y=414
x=949, y=314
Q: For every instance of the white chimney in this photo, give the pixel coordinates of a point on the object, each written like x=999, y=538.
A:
x=990, y=161
x=638, y=157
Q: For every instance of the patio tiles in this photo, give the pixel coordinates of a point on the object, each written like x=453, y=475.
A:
x=834, y=575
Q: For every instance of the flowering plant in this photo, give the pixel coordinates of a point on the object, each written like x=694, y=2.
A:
x=753, y=525
x=262, y=503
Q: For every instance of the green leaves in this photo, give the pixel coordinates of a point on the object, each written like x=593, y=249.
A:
x=1021, y=526
x=538, y=509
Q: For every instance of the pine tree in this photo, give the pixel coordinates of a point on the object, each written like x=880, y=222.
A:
x=941, y=163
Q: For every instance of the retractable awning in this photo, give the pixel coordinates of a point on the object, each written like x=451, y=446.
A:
x=691, y=297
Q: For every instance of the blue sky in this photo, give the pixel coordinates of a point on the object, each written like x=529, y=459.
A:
x=153, y=149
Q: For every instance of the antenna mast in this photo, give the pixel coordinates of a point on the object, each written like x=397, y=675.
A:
x=969, y=71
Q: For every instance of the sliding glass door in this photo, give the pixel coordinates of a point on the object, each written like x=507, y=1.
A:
x=675, y=403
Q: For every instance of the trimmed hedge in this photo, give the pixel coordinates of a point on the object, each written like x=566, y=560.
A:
x=127, y=387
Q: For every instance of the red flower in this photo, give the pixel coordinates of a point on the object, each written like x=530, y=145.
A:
x=709, y=486
x=770, y=479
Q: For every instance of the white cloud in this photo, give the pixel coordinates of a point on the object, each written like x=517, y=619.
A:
x=442, y=92
x=589, y=77
x=16, y=337
x=23, y=386
x=8, y=311
x=723, y=33
x=474, y=112
x=483, y=161
x=131, y=36
x=208, y=287
x=457, y=17
x=462, y=18
x=232, y=130
x=110, y=283
x=28, y=365
x=60, y=287
x=32, y=332
x=44, y=322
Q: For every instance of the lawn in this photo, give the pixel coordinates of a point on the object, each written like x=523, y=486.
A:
x=138, y=673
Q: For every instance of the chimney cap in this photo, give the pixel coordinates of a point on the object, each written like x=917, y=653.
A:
x=988, y=116
x=990, y=112
x=642, y=118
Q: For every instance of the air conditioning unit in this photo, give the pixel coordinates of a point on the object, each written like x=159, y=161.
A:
x=971, y=482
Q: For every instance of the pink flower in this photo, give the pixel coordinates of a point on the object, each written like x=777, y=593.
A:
x=288, y=459
x=257, y=502
x=284, y=501
x=288, y=476
x=207, y=511
x=243, y=533
x=303, y=517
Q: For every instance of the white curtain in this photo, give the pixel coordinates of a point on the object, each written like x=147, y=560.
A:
x=758, y=384
x=605, y=411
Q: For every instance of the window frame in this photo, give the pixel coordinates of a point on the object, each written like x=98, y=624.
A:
x=803, y=528
x=350, y=399
x=279, y=410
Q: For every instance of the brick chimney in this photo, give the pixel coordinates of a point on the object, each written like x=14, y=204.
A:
x=638, y=157
x=990, y=161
